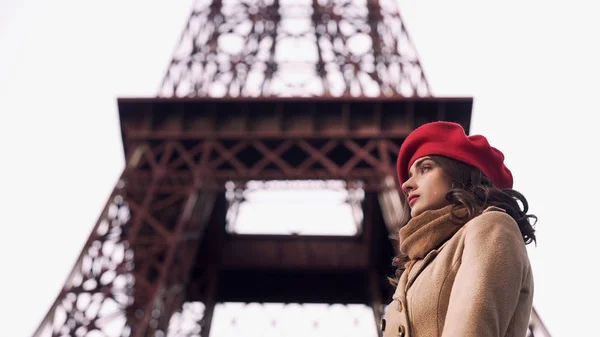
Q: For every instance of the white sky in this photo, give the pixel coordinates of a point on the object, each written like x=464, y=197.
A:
x=531, y=66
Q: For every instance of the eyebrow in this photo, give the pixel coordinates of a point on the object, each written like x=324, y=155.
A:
x=419, y=163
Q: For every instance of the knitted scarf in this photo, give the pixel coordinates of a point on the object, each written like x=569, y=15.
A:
x=428, y=231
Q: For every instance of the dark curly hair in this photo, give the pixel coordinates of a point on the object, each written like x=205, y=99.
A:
x=474, y=191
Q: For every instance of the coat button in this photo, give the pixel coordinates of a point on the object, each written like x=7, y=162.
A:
x=401, y=331
x=382, y=324
x=399, y=306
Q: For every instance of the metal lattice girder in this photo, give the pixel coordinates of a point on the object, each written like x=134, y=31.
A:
x=288, y=319
x=133, y=270
x=274, y=139
x=250, y=48
x=100, y=287
x=536, y=326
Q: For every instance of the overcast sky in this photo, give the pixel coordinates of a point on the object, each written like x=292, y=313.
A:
x=531, y=66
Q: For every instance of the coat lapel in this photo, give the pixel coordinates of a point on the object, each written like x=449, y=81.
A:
x=418, y=267
x=400, y=294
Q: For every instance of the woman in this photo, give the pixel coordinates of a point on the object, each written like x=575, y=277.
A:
x=463, y=269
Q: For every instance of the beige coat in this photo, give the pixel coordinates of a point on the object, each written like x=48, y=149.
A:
x=477, y=284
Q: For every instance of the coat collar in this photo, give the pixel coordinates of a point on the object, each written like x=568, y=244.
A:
x=420, y=265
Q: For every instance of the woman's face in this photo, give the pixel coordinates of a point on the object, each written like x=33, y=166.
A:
x=426, y=186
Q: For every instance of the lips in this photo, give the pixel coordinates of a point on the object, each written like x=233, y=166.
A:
x=412, y=199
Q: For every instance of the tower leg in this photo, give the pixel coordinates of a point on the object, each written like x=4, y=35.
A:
x=376, y=302
x=98, y=290
x=165, y=265
x=132, y=271
x=391, y=206
x=209, y=302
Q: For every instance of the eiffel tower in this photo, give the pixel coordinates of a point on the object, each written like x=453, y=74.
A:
x=259, y=93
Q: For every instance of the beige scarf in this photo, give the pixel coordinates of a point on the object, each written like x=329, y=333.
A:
x=428, y=231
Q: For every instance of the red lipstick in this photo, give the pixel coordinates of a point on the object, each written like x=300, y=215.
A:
x=412, y=198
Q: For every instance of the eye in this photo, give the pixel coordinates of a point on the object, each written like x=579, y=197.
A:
x=425, y=168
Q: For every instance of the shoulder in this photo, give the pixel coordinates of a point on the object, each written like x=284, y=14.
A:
x=493, y=219
x=494, y=226
x=493, y=241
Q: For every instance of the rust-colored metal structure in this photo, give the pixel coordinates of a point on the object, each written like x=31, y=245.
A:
x=257, y=90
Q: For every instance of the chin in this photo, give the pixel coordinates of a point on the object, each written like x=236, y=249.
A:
x=415, y=212
x=418, y=210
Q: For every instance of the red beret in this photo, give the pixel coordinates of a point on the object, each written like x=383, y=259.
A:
x=449, y=139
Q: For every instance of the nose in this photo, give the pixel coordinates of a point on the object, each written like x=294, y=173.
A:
x=408, y=186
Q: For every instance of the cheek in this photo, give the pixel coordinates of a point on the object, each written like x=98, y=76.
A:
x=439, y=189
x=437, y=195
